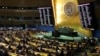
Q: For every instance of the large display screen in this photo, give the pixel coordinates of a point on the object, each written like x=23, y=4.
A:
x=87, y=15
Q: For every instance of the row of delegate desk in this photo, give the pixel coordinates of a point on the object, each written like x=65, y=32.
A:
x=39, y=46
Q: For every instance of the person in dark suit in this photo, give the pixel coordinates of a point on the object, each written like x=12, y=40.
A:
x=1, y=53
x=62, y=52
x=19, y=48
x=49, y=54
x=6, y=53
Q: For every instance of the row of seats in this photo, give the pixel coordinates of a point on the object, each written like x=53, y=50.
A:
x=22, y=43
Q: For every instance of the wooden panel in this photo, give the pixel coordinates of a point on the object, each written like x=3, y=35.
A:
x=26, y=13
x=85, y=1
x=25, y=3
x=97, y=11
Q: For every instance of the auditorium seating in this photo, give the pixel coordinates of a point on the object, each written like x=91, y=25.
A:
x=22, y=43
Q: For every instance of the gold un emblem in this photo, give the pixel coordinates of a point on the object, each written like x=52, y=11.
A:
x=70, y=9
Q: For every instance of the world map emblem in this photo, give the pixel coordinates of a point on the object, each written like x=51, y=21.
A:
x=69, y=9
